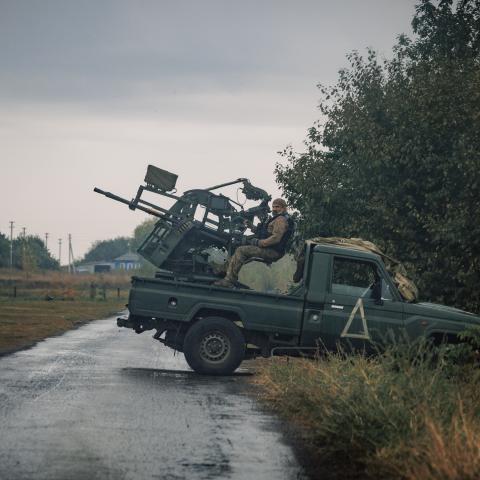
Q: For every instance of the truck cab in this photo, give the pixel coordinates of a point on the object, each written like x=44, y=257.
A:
x=350, y=296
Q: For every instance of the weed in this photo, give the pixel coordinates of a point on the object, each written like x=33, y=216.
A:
x=409, y=412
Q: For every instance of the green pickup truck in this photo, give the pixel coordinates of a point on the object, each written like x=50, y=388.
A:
x=346, y=297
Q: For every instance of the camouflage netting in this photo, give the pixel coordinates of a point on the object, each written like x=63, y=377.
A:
x=406, y=287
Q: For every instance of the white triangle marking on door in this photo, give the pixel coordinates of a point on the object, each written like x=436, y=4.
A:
x=365, y=335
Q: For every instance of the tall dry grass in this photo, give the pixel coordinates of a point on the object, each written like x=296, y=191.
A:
x=61, y=278
x=449, y=452
x=410, y=413
x=60, y=285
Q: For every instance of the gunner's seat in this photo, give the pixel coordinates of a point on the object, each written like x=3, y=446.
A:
x=258, y=259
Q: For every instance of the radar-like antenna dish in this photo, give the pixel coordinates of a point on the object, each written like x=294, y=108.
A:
x=160, y=179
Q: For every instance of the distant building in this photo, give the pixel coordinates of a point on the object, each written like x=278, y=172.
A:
x=94, y=267
x=128, y=261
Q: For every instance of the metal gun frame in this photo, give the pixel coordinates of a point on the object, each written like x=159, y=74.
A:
x=179, y=241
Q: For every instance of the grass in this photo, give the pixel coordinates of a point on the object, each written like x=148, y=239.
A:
x=50, y=303
x=61, y=285
x=406, y=414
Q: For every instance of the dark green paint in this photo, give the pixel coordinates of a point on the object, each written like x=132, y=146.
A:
x=313, y=315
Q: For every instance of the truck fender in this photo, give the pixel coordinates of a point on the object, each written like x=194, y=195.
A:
x=441, y=335
x=215, y=309
x=430, y=327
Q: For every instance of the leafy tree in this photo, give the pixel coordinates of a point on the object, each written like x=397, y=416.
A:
x=29, y=253
x=396, y=158
x=107, y=250
x=139, y=235
x=141, y=232
x=4, y=251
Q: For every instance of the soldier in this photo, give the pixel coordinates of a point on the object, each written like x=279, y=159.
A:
x=270, y=241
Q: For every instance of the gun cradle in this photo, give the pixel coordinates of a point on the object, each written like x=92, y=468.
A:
x=199, y=221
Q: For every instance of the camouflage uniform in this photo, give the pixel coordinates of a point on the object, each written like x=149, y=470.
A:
x=276, y=230
x=242, y=254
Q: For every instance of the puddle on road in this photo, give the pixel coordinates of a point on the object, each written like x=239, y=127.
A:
x=169, y=372
x=189, y=381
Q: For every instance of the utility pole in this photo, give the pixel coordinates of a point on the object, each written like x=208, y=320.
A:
x=60, y=252
x=69, y=253
x=71, y=259
x=46, y=241
x=24, y=247
x=11, y=244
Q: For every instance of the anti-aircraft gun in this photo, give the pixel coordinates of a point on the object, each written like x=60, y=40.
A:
x=198, y=222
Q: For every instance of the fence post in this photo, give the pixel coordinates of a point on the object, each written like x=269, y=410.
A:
x=93, y=291
x=14, y=291
x=118, y=292
x=104, y=292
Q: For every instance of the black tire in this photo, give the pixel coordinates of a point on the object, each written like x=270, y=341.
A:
x=214, y=346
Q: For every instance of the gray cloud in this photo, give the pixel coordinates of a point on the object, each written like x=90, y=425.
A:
x=109, y=51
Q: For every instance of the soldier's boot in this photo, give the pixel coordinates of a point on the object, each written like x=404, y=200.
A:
x=219, y=271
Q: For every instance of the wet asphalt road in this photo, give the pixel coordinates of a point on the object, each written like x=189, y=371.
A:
x=102, y=402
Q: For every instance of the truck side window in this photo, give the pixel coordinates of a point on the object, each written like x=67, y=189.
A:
x=356, y=278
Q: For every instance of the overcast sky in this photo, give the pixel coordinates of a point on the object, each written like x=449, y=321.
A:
x=91, y=92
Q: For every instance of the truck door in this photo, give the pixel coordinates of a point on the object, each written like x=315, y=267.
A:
x=351, y=313
x=317, y=279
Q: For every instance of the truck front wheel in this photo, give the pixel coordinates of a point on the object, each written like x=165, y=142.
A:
x=214, y=346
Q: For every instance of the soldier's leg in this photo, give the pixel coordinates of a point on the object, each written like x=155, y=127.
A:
x=241, y=255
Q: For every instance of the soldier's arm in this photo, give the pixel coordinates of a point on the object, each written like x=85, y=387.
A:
x=280, y=227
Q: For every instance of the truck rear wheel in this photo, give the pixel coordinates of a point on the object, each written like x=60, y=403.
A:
x=214, y=346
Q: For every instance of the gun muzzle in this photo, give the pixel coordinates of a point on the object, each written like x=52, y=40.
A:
x=130, y=204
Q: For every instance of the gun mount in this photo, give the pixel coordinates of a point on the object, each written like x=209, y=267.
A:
x=198, y=221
